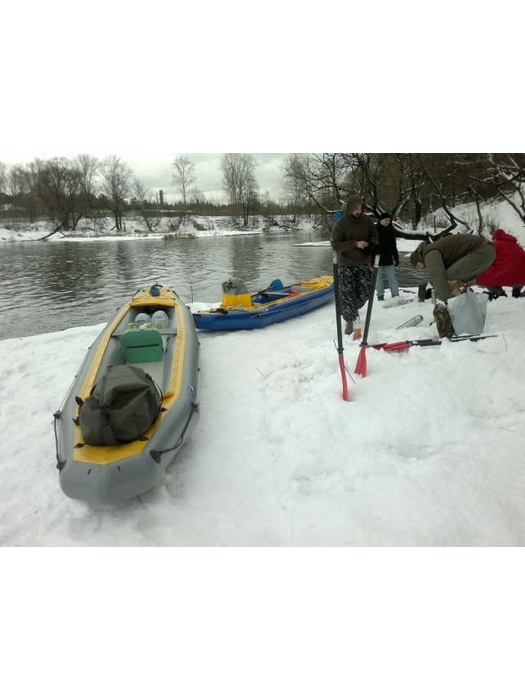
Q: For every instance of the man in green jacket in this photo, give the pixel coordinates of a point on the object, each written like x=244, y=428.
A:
x=354, y=237
x=452, y=262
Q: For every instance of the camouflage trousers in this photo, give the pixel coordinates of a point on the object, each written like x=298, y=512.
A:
x=354, y=289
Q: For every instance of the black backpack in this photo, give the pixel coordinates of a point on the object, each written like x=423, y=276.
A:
x=122, y=405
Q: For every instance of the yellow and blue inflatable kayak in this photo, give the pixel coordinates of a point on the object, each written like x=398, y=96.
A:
x=277, y=303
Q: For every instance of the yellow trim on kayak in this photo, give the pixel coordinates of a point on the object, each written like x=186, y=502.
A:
x=108, y=454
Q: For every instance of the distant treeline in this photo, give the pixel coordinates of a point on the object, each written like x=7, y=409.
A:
x=65, y=191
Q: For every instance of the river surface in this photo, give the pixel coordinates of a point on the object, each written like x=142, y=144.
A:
x=47, y=287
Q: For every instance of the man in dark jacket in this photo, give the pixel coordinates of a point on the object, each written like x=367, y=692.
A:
x=354, y=236
x=388, y=256
x=452, y=262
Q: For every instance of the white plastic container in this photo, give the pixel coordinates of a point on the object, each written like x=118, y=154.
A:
x=468, y=312
x=143, y=320
x=160, y=319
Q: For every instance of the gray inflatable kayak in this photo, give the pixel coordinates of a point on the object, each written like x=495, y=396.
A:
x=156, y=332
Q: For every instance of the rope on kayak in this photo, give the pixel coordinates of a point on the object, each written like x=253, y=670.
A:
x=156, y=455
x=60, y=462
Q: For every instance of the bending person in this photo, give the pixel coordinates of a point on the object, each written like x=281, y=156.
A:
x=452, y=263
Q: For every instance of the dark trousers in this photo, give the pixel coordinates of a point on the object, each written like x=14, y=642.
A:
x=354, y=289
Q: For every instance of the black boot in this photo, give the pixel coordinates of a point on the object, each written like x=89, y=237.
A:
x=443, y=321
x=496, y=292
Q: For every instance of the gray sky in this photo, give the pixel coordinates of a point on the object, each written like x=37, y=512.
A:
x=155, y=170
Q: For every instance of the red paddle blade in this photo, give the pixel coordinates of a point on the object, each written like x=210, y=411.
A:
x=360, y=367
x=397, y=347
x=343, y=377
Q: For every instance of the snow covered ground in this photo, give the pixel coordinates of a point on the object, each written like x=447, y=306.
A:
x=134, y=227
x=428, y=452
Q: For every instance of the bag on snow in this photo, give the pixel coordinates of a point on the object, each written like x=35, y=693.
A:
x=123, y=404
x=468, y=312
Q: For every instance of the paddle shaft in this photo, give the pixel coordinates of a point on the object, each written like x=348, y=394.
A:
x=340, y=347
x=361, y=364
x=428, y=342
x=370, y=303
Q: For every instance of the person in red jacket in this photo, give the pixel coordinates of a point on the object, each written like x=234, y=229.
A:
x=507, y=270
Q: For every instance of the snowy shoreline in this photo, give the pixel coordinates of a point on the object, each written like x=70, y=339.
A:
x=169, y=227
x=428, y=452
x=498, y=215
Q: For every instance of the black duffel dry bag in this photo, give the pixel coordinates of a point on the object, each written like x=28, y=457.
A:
x=123, y=404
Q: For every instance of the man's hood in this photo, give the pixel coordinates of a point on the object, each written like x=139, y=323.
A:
x=352, y=202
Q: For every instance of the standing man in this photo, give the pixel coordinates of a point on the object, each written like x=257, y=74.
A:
x=451, y=263
x=354, y=238
x=388, y=257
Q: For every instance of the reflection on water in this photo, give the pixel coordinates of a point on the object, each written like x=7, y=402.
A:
x=46, y=287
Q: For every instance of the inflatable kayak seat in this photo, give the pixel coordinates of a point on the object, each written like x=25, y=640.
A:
x=143, y=346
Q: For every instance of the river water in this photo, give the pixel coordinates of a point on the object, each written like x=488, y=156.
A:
x=47, y=287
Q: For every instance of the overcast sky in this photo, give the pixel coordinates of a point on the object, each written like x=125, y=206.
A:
x=156, y=173
x=132, y=94
x=156, y=170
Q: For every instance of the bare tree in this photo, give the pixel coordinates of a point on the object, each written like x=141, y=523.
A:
x=238, y=171
x=22, y=186
x=196, y=196
x=183, y=175
x=116, y=179
x=292, y=185
x=60, y=190
x=142, y=197
x=3, y=183
x=442, y=189
x=88, y=168
x=507, y=173
x=315, y=179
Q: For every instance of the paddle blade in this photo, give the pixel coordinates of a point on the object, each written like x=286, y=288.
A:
x=275, y=286
x=396, y=347
x=360, y=367
x=343, y=377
